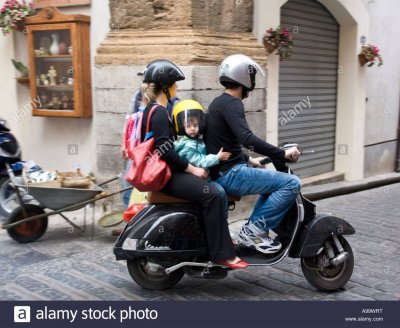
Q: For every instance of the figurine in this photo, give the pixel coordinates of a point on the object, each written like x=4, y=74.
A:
x=70, y=81
x=70, y=50
x=62, y=80
x=56, y=102
x=63, y=48
x=52, y=74
x=43, y=101
x=44, y=45
x=70, y=71
x=44, y=80
x=65, y=100
x=43, y=51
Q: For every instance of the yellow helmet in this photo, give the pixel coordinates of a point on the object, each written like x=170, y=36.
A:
x=187, y=110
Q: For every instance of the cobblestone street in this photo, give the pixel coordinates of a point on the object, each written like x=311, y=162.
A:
x=64, y=265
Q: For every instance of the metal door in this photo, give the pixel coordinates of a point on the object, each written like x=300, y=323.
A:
x=308, y=85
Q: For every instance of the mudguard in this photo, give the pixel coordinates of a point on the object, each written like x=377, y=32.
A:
x=162, y=231
x=313, y=234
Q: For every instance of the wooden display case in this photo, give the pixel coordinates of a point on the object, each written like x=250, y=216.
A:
x=59, y=63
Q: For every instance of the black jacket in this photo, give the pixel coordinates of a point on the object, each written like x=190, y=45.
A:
x=227, y=128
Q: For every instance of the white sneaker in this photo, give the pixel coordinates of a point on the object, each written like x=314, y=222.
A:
x=264, y=244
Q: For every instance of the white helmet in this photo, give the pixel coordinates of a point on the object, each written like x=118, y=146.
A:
x=239, y=69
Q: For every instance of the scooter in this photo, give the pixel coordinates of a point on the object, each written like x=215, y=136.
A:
x=165, y=240
x=10, y=153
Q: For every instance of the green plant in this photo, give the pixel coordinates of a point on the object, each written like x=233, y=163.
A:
x=278, y=39
x=20, y=67
x=12, y=15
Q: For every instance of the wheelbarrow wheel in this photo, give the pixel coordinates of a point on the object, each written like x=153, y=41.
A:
x=30, y=231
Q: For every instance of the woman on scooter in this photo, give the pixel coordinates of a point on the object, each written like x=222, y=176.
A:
x=188, y=182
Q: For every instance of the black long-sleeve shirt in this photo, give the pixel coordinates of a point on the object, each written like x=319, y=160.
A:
x=227, y=128
x=164, y=135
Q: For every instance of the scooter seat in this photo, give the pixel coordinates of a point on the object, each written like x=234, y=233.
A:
x=156, y=197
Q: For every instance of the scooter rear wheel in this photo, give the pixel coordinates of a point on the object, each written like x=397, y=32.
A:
x=328, y=278
x=30, y=231
x=151, y=275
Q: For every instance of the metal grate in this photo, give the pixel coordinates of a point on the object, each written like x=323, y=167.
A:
x=308, y=85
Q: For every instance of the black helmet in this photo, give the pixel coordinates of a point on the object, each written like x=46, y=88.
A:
x=163, y=72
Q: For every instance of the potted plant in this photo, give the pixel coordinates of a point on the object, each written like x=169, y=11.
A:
x=12, y=15
x=278, y=39
x=369, y=54
x=24, y=79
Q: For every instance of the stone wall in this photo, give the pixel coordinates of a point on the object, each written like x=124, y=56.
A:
x=211, y=15
x=115, y=85
x=196, y=35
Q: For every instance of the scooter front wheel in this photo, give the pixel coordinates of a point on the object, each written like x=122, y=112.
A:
x=151, y=275
x=325, y=276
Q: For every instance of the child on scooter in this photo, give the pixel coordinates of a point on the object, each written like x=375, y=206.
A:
x=189, y=120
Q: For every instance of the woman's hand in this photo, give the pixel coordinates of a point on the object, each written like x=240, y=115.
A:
x=292, y=154
x=197, y=171
x=223, y=155
x=256, y=161
x=123, y=153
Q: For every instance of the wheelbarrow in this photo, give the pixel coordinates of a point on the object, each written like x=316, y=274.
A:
x=28, y=222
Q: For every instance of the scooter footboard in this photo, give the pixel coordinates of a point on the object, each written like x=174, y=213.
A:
x=313, y=234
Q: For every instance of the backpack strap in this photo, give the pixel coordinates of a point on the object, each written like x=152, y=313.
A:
x=149, y=133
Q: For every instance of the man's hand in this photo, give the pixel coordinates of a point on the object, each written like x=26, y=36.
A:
x=292, y=154
x=223, y=155
x=197, y=171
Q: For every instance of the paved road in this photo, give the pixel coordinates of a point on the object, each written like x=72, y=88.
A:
x=64, y=265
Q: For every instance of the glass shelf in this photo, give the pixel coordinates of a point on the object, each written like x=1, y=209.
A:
x=55, y=87
x=53, y=56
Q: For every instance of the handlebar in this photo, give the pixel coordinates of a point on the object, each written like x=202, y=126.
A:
x=281, y=165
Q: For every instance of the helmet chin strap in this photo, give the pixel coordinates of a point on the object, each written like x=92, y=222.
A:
x=166, y=91
x=245, y=93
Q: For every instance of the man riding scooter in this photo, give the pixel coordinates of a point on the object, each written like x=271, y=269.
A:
x=227, y=128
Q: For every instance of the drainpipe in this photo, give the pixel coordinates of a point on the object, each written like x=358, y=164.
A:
x=397, y=163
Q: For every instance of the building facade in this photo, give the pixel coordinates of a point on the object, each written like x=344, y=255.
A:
x=321, y=97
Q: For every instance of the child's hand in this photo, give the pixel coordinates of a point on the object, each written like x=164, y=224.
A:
x=223, y=155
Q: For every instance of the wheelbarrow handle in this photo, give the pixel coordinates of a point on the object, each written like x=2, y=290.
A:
x=108, y=181
x=79, y=205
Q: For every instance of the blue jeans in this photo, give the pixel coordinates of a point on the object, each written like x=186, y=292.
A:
x=277, y=191
x=127, y=194
x=221, y=191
